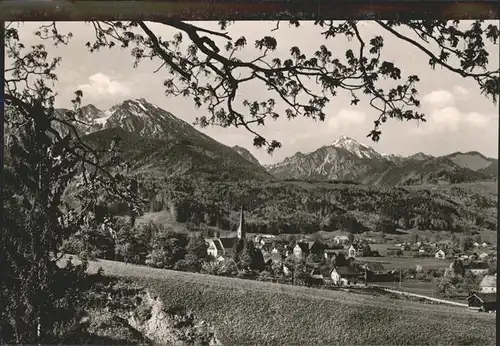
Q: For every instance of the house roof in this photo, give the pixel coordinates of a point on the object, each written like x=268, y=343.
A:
x=488, y=281
x=478, y=265
x=310, y=243
x=485, y=297
x=346, y=271
x=342, y=237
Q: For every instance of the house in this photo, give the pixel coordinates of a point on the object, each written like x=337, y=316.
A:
x=345, y=275
x=484, y=244
x=330, y=254
x=488, y=284
x=483, y=256
x=262, y=239
x=443, y=244
x=476, y=244
x=478, y=268
x=304, y=248
x=482, y=301
x=300, y=250
x=341, y=239
x=215, y=247
x=354, y=250
x=317, y=277
x=440, y=254
x=275, y=250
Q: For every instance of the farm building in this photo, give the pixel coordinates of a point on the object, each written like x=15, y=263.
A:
x=488, y=284
x=478, y=268
x=482, y=301
x=440, y=254
x=345, y=275
x=374, y=271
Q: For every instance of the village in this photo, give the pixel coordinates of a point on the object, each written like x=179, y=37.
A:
x=351, y=261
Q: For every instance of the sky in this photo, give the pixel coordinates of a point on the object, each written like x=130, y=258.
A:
x=459, y=118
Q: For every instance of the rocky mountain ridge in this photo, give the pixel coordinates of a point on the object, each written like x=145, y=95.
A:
x=347, y=159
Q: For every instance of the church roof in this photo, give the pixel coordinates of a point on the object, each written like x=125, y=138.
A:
x=228, y=243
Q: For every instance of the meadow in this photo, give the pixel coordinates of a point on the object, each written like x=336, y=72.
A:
x=251, y=312
x=408, y=262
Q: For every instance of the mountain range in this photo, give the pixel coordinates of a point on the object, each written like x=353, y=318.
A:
x=153, y=139
x=347, y=159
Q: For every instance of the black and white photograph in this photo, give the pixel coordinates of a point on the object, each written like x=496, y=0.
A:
x=287, y=182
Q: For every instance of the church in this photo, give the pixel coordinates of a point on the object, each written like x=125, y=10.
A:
x=223, y=247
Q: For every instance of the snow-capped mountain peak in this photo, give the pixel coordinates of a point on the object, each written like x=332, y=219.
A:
x=134, y=115
x=355, y=148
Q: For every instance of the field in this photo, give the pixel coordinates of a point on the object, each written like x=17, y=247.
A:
x=408, y=262
x=252, y=312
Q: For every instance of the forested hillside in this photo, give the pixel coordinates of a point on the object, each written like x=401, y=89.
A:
x=306, y=207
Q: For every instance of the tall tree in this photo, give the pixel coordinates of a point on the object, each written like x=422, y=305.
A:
x=44, y=155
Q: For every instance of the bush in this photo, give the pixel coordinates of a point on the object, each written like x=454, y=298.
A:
x=223, y=268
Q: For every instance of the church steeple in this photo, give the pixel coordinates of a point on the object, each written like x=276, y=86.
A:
x=241, y=228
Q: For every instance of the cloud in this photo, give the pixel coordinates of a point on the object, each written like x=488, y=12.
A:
x=101, y=85
x=446, y=119
x=346, y=118
x=439, y=99
x=460, y=90
x=477, y=119
x=451, y=120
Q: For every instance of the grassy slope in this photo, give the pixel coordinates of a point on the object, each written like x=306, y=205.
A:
x=251, y=312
